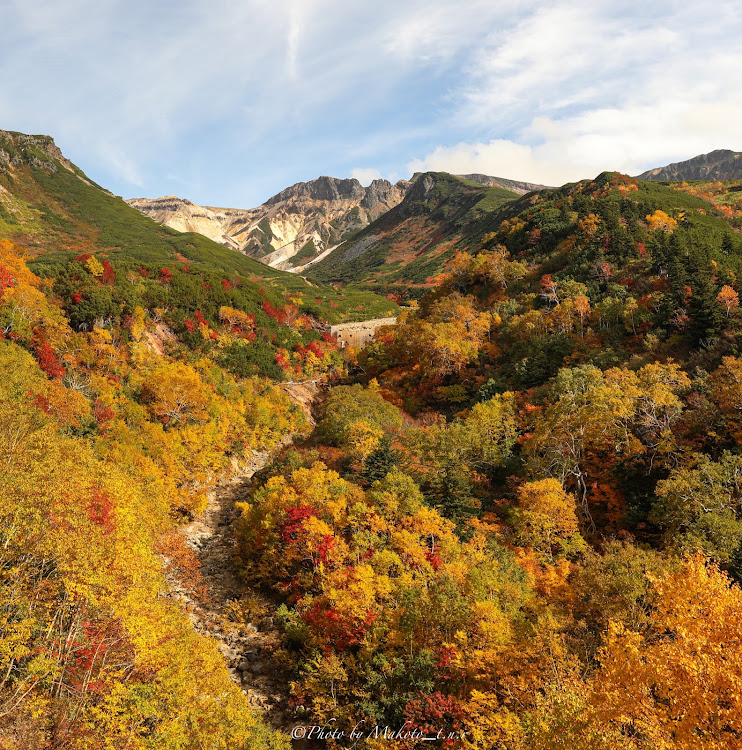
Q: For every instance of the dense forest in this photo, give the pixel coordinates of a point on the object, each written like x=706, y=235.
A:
x=522, y=523
x=517, y=523
x=110, y=433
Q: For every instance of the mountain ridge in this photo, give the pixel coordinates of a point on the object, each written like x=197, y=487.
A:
x=50, y=206
x=303, y=223
x=515, y=186
x=721, y=164
x=405, y=249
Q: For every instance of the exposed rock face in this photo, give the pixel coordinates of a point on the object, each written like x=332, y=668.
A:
x=717, y=165
x=179, y=213
x=515, y=186
x=36, y=150
x=382, y=192
x=321, y=189
x=304, y=223
x=292, y=229
x=419, y=193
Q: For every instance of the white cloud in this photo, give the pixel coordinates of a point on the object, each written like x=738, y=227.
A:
x=628, y=140
x=562, y=56
x=366, y=176
x=498, y=158
x=233, y=97
x=421, y=30
x=579, y=90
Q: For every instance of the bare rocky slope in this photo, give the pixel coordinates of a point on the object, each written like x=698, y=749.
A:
x=716, y=165
x=36, y=150
x=222, y=607
x=290, y=229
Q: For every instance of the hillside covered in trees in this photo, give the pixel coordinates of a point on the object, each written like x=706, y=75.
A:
x=522, y=524
x=107, y=437
x=517, y=523
x=139, y=369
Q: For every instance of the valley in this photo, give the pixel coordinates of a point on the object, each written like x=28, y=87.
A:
x=473, y=472
x=370, y=375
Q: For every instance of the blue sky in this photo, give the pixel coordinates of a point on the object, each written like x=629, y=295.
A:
x=227, y=102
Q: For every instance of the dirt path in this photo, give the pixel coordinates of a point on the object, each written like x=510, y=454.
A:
x=224, y=607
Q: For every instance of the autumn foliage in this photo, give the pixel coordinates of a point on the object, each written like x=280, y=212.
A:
x=102, y=444
x=526, y=528
x=518, y=521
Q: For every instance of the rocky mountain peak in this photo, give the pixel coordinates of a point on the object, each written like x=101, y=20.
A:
x=382, y=191
x=721, y=164
x=322, y=189
x=291, y=229
x=166, y=203
x=422, y=186
x=515, y=186
x=35, y=150
x=303, y=223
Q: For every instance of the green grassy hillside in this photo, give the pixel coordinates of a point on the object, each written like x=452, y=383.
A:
x=50, y=206
x=624, y=204
x=404, y=250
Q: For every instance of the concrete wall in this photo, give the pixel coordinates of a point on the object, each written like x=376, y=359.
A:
x=359, y=334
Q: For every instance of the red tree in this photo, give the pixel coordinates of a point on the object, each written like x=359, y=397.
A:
x=47, y=357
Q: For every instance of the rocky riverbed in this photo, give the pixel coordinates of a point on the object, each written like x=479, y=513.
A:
x=222, y=606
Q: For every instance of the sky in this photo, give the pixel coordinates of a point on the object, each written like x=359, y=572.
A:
x=227, y=102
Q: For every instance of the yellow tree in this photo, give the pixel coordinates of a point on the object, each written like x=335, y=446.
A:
x=448, y=337
x=176, y=393
x=94, y=266
x=589, y=225
x=364, y=438
x=728, y=299
x=496, y=268
x=237, y=319
x=659, y=220
x=582, y=310
x=546, y=518
x=589, y=420
x=595, y=418
x=676, y=686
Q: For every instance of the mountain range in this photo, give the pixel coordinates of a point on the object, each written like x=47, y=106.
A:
x=291, y=228
x=404, y=250
x=575, y=355
x=302, y=224
x=385, y=234
x=716, y=165
x=392, y=239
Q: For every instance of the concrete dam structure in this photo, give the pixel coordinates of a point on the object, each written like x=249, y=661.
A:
x=359, y=334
